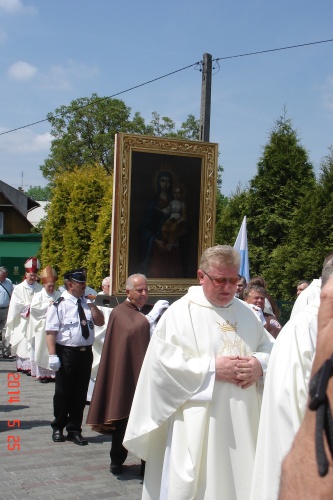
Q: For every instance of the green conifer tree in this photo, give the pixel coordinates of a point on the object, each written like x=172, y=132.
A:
x=73, y=217
x=283, y=179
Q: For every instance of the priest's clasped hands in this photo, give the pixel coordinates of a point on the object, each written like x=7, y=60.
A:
x=243, y=371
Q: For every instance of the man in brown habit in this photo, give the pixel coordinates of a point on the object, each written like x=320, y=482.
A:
x=126, y=341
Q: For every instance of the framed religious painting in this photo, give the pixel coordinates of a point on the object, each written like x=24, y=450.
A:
x=163, y=214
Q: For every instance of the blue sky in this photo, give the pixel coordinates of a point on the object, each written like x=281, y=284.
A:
x=55, y=51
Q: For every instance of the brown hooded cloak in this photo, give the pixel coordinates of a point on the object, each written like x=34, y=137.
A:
x=126, y=341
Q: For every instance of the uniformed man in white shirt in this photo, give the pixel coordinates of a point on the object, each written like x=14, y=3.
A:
x=70, y=334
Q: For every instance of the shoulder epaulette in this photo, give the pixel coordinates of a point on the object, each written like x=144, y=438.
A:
x=57, y=302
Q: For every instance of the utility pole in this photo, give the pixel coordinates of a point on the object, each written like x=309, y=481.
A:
x=206, y=90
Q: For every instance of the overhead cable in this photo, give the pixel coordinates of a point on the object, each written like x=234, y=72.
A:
x=172, y=73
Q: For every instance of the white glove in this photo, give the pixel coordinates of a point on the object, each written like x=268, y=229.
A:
x=157, y=310
x=54, y=362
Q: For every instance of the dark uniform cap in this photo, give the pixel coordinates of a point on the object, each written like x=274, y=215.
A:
x=75, y=275
x=80, y=270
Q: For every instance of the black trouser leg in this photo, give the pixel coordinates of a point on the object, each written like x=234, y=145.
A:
x=78, y=401
x=118, y=453
x=62, y=392
x=71, y=385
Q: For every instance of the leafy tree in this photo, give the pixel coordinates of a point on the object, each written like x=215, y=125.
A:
x=190, y=129
x=284, y=177
x=162, y=127
x=84, y=134
x=165, y=127
x=80, y=170
x=39, y=193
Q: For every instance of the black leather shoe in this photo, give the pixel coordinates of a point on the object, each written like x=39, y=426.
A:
x=58, y=436
x=116, y=469
x=76, y=438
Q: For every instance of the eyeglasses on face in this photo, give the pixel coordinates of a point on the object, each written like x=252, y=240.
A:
x=222, y=281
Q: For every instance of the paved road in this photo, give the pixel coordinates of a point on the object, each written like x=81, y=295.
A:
x=44, y=470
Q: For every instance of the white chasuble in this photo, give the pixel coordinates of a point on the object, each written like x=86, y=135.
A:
x=202, y=450
x=40, y=303
x=17, y=324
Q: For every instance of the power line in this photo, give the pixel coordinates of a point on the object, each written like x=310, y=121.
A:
x=273, y=50
x=174, y=72
x=108, y=97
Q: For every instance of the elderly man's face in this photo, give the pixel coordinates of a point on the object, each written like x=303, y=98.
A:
x=49, y=288
x=138, y=295
x=219, y=294
x=31, y=278
x=106, y=289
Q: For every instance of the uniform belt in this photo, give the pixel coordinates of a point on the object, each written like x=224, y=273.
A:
x=75, y=348
x=4, y=307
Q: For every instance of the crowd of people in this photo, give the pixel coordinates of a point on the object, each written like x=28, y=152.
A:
x=209, y=392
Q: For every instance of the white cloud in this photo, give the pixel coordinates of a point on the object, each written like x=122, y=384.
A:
x=25, y=141
x=42, y=142
x=61, y=77
x=21, y=71
x=15, y=7
x=21, y=154
x=34, y=143
x=328, y=93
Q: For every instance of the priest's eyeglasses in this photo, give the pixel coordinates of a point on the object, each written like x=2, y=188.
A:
x=221, y=281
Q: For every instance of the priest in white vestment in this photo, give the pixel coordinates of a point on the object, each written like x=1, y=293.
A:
x=40, y=303
x=195, y=413
x=18, y=315
x=286, y=392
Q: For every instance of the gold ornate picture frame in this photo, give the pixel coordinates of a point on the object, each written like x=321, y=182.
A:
x=163, y=214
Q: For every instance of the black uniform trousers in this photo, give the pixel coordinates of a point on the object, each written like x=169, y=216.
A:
x=71, y=386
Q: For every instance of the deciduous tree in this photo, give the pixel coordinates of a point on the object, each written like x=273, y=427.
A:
x=83, y=134
x=39, y=193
